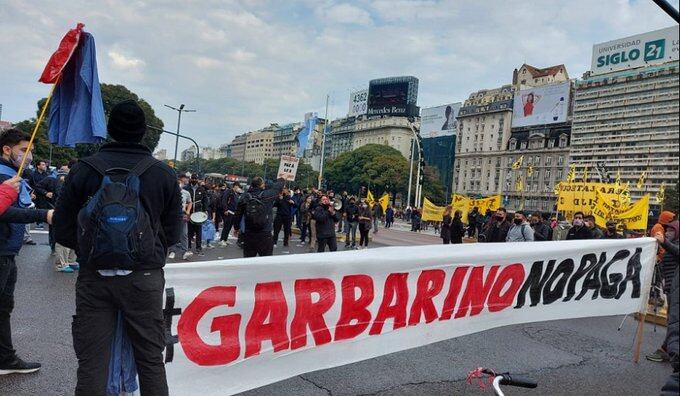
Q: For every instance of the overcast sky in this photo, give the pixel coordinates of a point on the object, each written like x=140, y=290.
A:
x=245, y=64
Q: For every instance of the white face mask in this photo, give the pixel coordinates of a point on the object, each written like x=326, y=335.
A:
x=16, y=159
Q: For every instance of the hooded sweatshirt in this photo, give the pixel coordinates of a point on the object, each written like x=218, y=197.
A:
x=664, y=218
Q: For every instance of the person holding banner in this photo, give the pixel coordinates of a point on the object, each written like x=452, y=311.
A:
x=579, y=230
x=542, y=231
x=596, y=232
x=14, y=146
x=520, y=231
x=498, y=227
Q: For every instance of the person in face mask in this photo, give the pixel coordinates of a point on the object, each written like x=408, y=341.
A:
x=579, y=229
x=542, y=231
x=610, y=232
x=498, y=227
x=14, y=146
x=520, y=230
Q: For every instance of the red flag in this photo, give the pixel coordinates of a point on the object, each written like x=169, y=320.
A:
x=61, y=56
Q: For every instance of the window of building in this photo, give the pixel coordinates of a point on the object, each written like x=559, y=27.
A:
x=551, y=143
x=560, y=160
x=563, y=141
x=537, y=160
x=513, y=144
x=548, y=160
x=523, y=146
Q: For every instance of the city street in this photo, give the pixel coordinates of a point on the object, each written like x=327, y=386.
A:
x=580, y=356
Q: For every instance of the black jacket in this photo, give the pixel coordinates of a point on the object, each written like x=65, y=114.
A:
x=229, y=200
x=49, y=185
x=352, y=213
x=457, y=230
x=325, y=222
x=37, y=177
x=199, y=197
x=576, y=233
x=284, y=207
x=159, y=194
x=496, y=231
x=267, y=197
x=541, y=231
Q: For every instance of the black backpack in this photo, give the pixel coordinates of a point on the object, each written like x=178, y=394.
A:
x=257, y=215
x=114, y=229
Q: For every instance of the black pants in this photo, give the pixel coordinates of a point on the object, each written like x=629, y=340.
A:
x=195, y=230
x=447, y=240
x=258, y=244
x=228, y=220
x=331, y=242
x=8, y=278
x=50, y=237
x=139, y=296
x=363, y=232
x=284, y=222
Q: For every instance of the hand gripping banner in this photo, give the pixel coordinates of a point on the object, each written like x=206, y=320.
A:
x=239, y=324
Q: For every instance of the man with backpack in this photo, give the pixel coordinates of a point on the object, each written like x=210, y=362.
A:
x=14, y=147
x=120, y=209
x=520, y=231
x=255, y=207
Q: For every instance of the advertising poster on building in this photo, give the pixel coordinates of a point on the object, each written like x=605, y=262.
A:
x=358, y=103
x=650, y=48
x=288, y=168
x=438, y=121
x=547, y=104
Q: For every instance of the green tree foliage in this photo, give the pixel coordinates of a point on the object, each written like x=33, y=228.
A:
x=380, y=168
x=671, y=201
x=111, y=94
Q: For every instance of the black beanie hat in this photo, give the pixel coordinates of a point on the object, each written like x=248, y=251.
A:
x=127, y=122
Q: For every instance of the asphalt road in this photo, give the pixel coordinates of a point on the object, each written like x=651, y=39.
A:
x=569, y=357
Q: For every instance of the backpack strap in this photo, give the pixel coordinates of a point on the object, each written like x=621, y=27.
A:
x=143, y=165
x=97, y=164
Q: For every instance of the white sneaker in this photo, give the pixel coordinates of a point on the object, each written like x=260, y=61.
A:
x=187, y=255
x=223, y=243
x=274, y=246
x=171, y=256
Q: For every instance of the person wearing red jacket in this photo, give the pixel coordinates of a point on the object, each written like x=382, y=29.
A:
x=9, y=191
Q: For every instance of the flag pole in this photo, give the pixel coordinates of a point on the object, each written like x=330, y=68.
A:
x=35, y=129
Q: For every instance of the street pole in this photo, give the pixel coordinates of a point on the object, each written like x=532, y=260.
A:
x=410, y=173
x=323, y=145
x=179, y=120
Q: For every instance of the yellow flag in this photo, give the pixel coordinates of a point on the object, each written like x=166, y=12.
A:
x=519, y=184
x=518, y=164
x=661, y=195
x=641, y=180
x=384, y=201
x=530, y=170
x=432, y=212
x=618, y=178
x=624, y=195
x=585, y=174
x=572, y=173
x=462, y=203
x=369, y=199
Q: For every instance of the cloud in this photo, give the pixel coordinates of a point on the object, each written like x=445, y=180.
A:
x=123, y=62
x=244, y=65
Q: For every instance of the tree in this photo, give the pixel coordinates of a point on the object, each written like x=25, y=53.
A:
x=671, y=201
x=111, y=94
x=381, y=169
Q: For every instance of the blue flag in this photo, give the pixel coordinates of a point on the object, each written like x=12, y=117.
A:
x=305, y=133
x=77, y=111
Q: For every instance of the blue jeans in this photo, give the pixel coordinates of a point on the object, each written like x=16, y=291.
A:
x=351, y=228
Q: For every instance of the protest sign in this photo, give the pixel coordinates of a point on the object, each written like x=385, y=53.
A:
x=633, y=217
x=432, y=212
x=235, y=325
x=580, y=196
x=288, y=168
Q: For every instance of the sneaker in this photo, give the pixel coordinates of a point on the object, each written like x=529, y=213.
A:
x=171, y=256
x=18, y=366
x=223, y=244
x=302, y=243
x=274, y=246
x=66, y=269
x=187, y=255
x=200, y=253
x=31, y=242
x=74, y=266
x=659, y=356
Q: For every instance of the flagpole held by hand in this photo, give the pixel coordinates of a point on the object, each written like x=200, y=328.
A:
x=37, y=125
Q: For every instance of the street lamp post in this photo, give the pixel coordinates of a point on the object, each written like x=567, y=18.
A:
x=179, y=120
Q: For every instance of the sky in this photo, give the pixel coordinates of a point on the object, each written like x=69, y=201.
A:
x=245, y=64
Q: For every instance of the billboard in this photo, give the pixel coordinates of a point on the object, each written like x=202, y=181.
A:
x=395, y=96
x=439, y=121
x=547, y=104
x=358, y=103
x=650, y=48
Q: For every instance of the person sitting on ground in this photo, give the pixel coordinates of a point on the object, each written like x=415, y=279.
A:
x=520, y=230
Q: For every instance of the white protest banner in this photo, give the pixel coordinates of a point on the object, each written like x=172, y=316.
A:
x=288, y=168
x=244, y=323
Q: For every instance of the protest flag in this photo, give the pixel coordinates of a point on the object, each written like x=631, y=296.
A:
x=369, y=199
x=384, y=201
